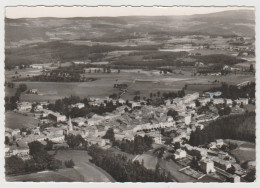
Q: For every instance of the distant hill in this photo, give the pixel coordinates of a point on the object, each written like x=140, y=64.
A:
x=30, y=40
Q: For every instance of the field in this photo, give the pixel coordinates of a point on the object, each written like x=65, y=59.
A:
x=83, y=171
x=14, y=120
x=87, y=170
x=149, y=160
x=137, y=80
x=246, y=151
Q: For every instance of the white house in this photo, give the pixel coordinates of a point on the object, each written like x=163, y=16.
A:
x=24, y=106
x=179, y=154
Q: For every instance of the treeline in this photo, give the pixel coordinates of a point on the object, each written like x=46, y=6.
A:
x=124, y=170
x=235, y=92
x=218, y=59
x=138, y=146
x=11, y=101
x=238, y=127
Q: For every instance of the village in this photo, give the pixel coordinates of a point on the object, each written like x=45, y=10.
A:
x=137, y=118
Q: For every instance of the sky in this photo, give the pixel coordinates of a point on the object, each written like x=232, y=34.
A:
x=76, y=11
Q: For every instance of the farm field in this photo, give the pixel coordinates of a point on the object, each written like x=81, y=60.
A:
x=15, y=120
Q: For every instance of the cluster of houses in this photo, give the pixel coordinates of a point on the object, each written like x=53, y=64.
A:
x=142, y=120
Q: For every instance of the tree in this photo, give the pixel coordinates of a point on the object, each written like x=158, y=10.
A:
x=69, y=163
x=35, y=147
x=22, y=87
x=197, y=102
x=110, y=135
x=7, y=140
x=14, y=165
x=251, y=68
x=172, y=113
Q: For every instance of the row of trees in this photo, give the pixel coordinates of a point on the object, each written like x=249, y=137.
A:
x=239, y=127
x=124, y=170
x=11, y=102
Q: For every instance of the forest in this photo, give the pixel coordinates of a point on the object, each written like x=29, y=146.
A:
x=237, y=127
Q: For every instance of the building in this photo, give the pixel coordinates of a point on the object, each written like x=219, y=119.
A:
x=207, y=166
x=222, y=164
x=179, y=154
x=79, y=121
x=33, y=91
x=218, y=101
x=37, y=66
x=190, y=97
x=24, y=106
x=78, y=105
x=187, y=119
x=242, y=100
x=219, y=142
x=235, y=179
x=57, y=117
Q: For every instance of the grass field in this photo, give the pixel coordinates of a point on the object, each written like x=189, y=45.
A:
x=14, y=120
x=149, y=160
x=245, y=151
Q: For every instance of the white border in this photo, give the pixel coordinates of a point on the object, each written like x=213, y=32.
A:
x=254, y=3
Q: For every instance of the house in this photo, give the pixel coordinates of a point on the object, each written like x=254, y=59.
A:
x=219, y=142
x=179, y=154
x=242, y=100
x=79, y=121
x=78, y=105
x=38, y=108
x=190, y=97
x=57, y=117
x=204, y=101
x=33, y=91
x=207, y=166
x=218, y=101
x=235, y=179
x=228, y=102
x=187, y=119
x=222, y=164
x=37, y=66
x=24, y=106
x=15, y=132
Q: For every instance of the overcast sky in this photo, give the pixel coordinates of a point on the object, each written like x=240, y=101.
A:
x=41, y=11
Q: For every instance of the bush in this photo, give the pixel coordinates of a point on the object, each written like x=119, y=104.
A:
x=69, y=163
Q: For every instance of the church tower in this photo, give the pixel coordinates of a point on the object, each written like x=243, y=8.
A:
x=70, y=125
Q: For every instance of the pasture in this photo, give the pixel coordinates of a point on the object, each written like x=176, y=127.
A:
x=15, y=120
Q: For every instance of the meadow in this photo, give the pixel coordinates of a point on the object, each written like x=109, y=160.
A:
x=15, y=120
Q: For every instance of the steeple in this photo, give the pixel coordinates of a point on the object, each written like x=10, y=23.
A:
x=70, y=124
